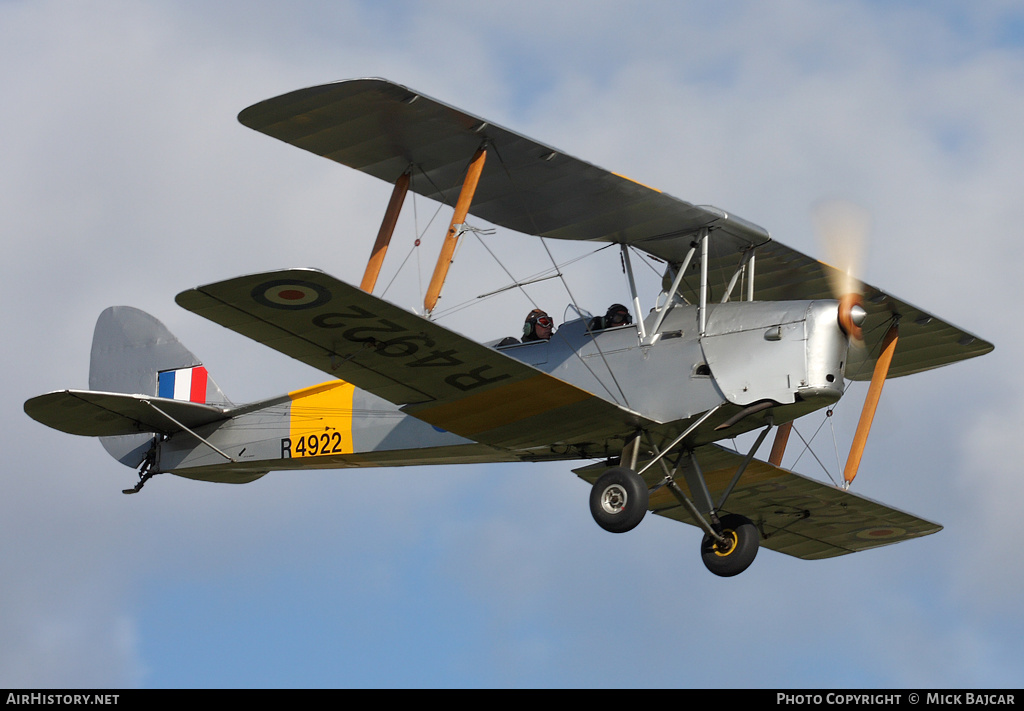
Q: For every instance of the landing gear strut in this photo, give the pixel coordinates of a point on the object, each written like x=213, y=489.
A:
x=731, y=542
x=620, y=497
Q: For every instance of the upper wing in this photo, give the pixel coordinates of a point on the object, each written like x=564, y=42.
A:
x=437, y=375
x=383, y=129
x=98, y=414
x=796, y=515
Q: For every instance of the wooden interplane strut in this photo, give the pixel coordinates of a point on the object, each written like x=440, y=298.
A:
x=387, y=228
x=779, y=445
x=451, y=240
x=867, y=415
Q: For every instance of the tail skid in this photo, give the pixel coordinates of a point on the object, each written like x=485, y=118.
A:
x=147, y=471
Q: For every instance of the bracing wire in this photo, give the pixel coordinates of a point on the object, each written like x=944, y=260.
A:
x=829, y=412
x=572, y=299
x=807, y=448
x=544, y=275
x=835, y=444
x=400, y=266
x=416, y=243
x=556, y=273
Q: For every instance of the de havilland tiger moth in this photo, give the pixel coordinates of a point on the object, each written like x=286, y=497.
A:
x=747, y=335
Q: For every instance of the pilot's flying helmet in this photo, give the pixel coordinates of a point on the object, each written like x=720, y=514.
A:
x=617, y=315
x=533, y=319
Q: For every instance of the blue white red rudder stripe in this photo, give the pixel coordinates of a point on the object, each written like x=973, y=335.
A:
x=183, y=384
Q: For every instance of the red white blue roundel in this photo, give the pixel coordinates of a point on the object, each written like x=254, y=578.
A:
x=290, y=294
x=880, y=533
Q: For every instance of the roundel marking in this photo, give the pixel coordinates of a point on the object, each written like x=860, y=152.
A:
x=290, y=294
x=880, y=533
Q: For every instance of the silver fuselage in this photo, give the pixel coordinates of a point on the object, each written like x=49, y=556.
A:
x=788, y=357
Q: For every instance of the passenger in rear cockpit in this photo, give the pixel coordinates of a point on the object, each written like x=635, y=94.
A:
x=617, y=315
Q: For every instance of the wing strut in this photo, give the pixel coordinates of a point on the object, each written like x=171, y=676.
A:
x=670, y=300
x=697, y=484
x=747, y=258
x=632, y=290
x=192, y=432
x=779, y=445
x=455, y=229
x=703, y=281
x=867, y=415
x=387, y=228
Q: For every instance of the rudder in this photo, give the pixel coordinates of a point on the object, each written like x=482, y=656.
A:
x=133, y=352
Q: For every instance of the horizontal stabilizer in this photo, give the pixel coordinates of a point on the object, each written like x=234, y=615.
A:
x=95, y=414
x=795, y=515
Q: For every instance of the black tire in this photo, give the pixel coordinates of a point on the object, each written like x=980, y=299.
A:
x=743, y=535
x=618, y=500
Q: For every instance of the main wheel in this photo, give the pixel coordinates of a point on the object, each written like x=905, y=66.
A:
x=618, y=501
x=742, y=540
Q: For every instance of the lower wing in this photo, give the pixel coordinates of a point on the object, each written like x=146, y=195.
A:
x=795, y=515
x=436, y=375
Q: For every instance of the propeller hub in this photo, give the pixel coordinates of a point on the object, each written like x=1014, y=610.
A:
x=852, y=315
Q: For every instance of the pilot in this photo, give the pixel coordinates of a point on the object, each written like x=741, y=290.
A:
x=616, y=315
x=537, y=327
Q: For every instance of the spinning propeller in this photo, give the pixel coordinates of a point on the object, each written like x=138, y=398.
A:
x=842, y=229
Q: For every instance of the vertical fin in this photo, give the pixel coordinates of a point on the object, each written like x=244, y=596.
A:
x=132, y=352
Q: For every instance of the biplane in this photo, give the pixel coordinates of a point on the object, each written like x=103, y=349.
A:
x=747, y=335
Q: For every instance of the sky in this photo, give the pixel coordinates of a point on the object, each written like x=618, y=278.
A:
x=125, y=179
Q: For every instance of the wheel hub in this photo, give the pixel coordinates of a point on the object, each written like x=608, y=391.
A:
x=613, y=499
x=727, y=545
